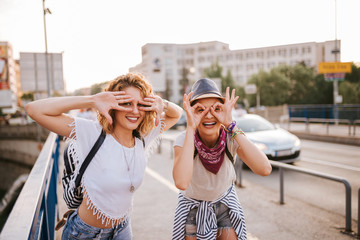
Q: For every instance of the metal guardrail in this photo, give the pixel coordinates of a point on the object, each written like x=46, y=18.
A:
x=281, y=166
x=358, y=233
x=323, y=120
x=35, y=212
x=354, y=124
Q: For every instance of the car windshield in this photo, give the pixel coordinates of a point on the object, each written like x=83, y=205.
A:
x=254, y=124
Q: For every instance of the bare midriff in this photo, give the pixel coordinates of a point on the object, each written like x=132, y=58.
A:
x=86, y=214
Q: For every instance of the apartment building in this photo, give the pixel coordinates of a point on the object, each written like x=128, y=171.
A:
x=171, y=68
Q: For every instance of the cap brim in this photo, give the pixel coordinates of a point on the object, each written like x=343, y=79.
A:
x=208, y=95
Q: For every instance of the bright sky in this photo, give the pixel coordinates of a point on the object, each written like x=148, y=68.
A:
x=102, y=39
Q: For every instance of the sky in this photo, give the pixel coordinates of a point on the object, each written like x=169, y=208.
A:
x=101, y=40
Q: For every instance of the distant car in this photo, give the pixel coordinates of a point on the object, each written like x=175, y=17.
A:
x=181, y=121
x=277, y=143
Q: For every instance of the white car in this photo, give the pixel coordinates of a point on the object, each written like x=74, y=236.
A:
x=278, y=144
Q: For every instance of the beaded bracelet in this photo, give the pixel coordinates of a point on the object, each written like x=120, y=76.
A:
x=231, y=127
x=236, y=132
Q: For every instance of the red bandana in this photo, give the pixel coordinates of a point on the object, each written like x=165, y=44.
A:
x=211, y=158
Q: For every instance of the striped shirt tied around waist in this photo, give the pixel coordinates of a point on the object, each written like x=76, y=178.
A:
x=207, y=227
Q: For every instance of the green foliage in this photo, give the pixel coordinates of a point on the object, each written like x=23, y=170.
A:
x=28, y=96
x=321, y=92
x=214, y=71
x=227, y=81
x=273, y=86
x=350, y=91
x=301, y=80
x=98, y=87
x=354, y=76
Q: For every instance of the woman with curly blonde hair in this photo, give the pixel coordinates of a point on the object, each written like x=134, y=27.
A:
x=132, y=117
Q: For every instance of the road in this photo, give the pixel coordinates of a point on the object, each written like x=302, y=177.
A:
x=335, y=159
x=314, y=209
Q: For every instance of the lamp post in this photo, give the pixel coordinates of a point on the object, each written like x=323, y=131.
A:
x=336, y=51
x=45, y=11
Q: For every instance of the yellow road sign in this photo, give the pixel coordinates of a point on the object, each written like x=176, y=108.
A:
x=334, y=67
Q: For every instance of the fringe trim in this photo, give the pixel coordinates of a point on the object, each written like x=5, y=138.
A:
x=154, y=143
x=105, y=218
x=71, y=140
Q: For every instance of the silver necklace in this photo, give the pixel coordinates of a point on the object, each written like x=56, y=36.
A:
x=132, y=188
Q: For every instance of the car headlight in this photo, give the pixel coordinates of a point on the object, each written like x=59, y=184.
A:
x=261, y=146
x=297, y=142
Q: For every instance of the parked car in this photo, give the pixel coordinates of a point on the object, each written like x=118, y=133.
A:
x=278, y=144
x=181, y=121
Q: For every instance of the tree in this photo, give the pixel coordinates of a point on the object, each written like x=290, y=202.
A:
x=301, y=80
x=227, y=81
x=28, y=96
x=214, y=71
x=98, y=87
x=354, y=76
x=350, y=91
x=273, y=87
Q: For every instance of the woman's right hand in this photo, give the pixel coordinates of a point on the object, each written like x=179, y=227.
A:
x=195, y=113
x=105, y=101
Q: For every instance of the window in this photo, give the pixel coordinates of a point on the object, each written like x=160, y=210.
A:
x=239, y=56
x=260, y=54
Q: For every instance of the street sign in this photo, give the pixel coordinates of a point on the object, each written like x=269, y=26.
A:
x=250, y=89
x=334, y=77
x=334, y=67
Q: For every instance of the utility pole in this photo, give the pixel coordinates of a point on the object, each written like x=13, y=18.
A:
x=336, y=51
x=45, y=11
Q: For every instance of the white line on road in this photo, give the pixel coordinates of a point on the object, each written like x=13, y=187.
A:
x=161, y=179
x=339, y=165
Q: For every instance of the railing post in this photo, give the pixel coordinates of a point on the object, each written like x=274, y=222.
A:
x=359, y=213
x=281, y=172
x=238, y=170
x=347, y=206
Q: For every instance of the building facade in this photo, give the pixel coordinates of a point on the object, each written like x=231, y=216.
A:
x=41, y=74
x=172, y=68
x=8, y=87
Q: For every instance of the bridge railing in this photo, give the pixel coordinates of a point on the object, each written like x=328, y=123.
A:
x=35, y=212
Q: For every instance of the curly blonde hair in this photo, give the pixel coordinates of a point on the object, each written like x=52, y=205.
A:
x=138, y=81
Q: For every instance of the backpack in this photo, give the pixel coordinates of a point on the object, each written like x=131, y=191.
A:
x=73, y=194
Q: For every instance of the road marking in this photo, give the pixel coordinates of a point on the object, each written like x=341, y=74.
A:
x=339, y=165
x=161, y=179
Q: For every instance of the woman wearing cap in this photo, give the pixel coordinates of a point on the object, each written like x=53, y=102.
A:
x=208, y=207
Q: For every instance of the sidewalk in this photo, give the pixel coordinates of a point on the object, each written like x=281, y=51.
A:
x=323, y=132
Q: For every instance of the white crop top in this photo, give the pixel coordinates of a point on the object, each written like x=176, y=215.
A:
x=205, y=185
x=106, y=181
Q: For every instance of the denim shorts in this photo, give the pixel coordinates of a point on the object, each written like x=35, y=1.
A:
x=75, y=228
x=222, y=216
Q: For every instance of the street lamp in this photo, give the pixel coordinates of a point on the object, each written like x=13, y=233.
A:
x=46, y=11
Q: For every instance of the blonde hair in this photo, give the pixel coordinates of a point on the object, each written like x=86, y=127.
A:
x=138, y=81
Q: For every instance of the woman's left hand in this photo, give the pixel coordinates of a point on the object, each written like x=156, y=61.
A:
x=225, y=115
x=153, y=103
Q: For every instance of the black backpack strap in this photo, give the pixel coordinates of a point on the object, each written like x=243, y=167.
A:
x=89, y=157
x=228, y=154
